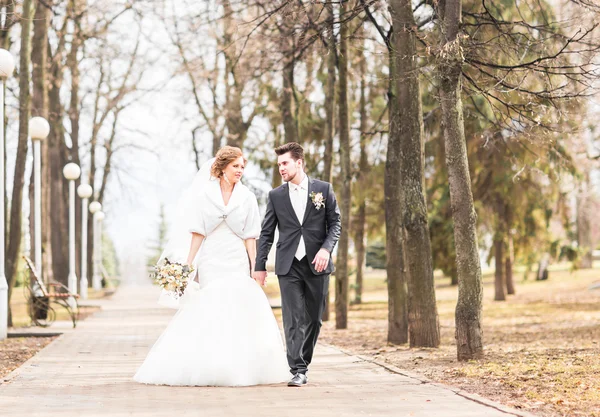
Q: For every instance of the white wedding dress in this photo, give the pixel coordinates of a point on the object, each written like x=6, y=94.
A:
x=224, y=333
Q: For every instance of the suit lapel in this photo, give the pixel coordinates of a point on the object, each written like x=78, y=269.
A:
x=309, y=204
x=288, y=203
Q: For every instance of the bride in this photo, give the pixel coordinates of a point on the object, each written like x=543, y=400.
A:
x=224, y=333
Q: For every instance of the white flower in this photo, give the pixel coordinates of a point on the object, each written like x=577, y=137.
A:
x=172, y=277
x=318, y=200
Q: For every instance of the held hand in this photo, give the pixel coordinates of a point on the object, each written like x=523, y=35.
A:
x=321, y=260
x=260, y=277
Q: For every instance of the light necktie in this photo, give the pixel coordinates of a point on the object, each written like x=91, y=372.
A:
x=299, y=208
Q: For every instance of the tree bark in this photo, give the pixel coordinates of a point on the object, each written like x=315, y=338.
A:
x=58, y=158
x=584, y=226
x=396, y=273
x=39, y=107
x=275, y=176
x=361, y=201
x=508, y=269
x=468, y=334
x=510, y=253
x=499, y=282
x=9, y=10
x=329, y=113
x=287, y=103
x=422, y=309
x=16, y=208
x=329, y=97
x=341, y=275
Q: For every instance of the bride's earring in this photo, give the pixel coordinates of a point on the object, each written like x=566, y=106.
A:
x=226, y=179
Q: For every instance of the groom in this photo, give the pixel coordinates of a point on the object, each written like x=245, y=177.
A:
x=306, y=212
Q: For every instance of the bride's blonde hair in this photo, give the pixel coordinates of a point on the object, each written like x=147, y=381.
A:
x=225, y=156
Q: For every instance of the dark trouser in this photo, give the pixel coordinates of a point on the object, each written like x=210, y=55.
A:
x=302, y=303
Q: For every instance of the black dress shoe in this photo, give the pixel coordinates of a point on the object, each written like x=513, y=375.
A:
x=298, y=380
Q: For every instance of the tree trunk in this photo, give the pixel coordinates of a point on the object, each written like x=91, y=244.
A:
x=237, y=128
x=73, y=64
x=16, y=208
x=499, y=282
x=361, y=201
x=508, y=270
x=584, y=227
x=275, y=176
x=287, y=103
x=39, y=107
x=510, y=253
x=359, y=242
x=341, y=274
x=422, y=309
x=8, y=9
x=58, y=184
x=468, y=333
x=329, y=114
x=329, y=98
x=396, y=273
x=542, y=272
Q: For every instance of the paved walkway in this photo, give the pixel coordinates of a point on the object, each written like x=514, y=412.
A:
x=87, y=372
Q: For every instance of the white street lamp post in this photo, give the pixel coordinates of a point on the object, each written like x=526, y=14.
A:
x=95, y=207
x=85, y=192
x=71, y=171
x=7, y=66
x=99, y=218
x=39, y=129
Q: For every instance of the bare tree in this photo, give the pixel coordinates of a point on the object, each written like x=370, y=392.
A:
x=423, y=324
x=341, y=275
x=330, y=94
x=360, y=195
x=329, y=109
x=39, y=107
x=395, y=259
x=221, y=111
x=470, y=291
x=16, y=216
x=499, y=277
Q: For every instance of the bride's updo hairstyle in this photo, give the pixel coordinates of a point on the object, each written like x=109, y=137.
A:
x=225, y=156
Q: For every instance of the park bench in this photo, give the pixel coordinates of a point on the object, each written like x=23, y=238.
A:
x=41, y=300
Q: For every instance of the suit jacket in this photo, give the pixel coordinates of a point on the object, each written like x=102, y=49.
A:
x=321, y=228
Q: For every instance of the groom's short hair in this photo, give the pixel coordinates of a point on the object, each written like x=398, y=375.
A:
x=295, y=149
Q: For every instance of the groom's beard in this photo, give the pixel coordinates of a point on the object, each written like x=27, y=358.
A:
x=291, y=177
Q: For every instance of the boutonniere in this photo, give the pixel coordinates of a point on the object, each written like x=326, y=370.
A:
x=318, y=200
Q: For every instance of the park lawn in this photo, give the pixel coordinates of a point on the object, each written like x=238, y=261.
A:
x=542, y=351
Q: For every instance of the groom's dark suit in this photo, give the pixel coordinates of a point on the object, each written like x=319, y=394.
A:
x=303, y=289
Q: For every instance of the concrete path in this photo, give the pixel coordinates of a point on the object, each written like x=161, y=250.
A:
x=87, y=372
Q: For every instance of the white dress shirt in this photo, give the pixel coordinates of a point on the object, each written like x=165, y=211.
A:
x=299, y=199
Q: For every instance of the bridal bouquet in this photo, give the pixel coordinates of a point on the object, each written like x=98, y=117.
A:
x=172, y=277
